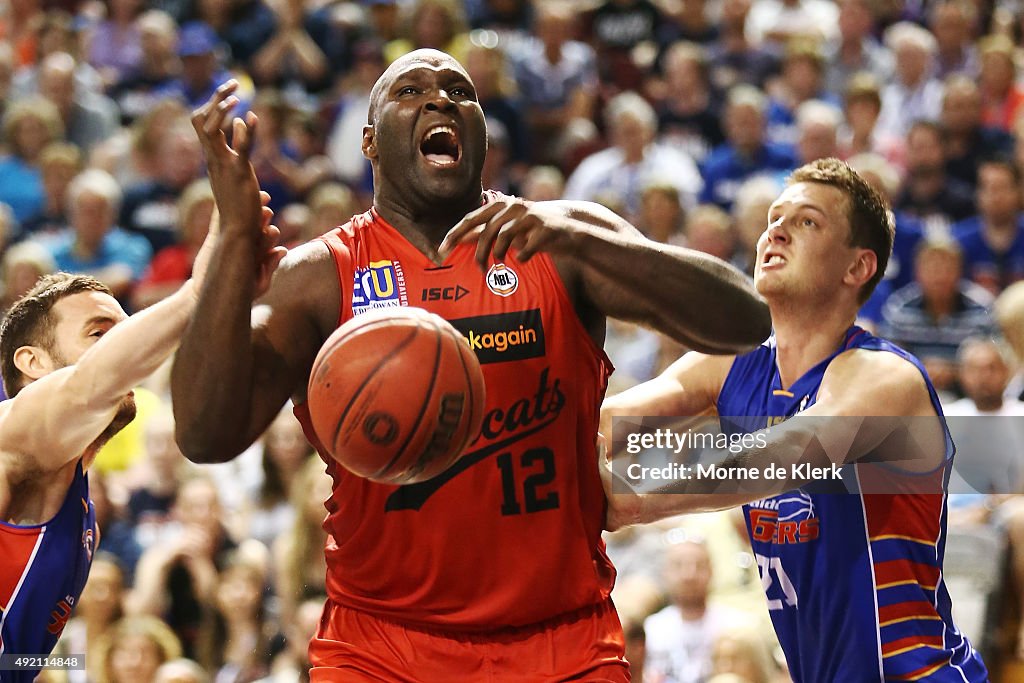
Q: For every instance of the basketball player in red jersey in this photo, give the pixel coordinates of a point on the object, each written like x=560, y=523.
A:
x=494, y=570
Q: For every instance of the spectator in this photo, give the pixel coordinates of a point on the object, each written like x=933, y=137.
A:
x=6, y=75
x=817, y=127
x=857, y=50
x=709, y=229
x=986, y=425
x=29, y=125
x=1002, y=96
x=57, y=33
x=290, y=56
x=99, y=607
x=914, y=93
x=300, y=567
x=181, y=671
x=202, y=53
x=615, y=28
x=750, y=216
x=1009, y=312
x=89, y=118
x=17, y=27
x=496, y=92
x=116, y=44
x=94, y=244
x=268, y=514
x=744, y=653
x=745, y=154
x=136, y=91
x=557, y=78
x=802, y=80
x=172, y=265
x=135, y=647
x=689, y=21
x=156, y=481
x=661, y=214
x=21, y=266
x=933, y=316
x=688, y=110
x=734, y=60
x=543, y=183
x=680, y=637
x=966, y=140
x=776, y=22
x=292, y=664
x=234, y=642
x=954, y=23
x=636, y=648
x=929, y=194
x=633, y=160
x=439, y=24
x=993, y=241
x=178, y=577
x=244, y=26
x=150, y=207
x=331, y=204
x=862, y=104
x=383, y=16
x=59, y=163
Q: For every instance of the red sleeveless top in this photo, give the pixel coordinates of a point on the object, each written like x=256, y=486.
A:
x=511, y=534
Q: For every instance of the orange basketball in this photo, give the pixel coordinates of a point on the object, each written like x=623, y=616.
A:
x=396, y=395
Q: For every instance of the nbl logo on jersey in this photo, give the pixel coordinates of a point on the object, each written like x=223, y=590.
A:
x=381, y=285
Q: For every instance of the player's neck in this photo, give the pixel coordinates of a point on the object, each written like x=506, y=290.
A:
x=805, y=338
x=425, y=227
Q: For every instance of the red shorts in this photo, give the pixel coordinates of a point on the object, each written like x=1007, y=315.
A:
x=351, y=645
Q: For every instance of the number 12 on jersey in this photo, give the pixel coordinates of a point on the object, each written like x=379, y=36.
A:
x=533, y=499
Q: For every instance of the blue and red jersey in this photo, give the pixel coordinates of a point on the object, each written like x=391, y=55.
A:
x=853, y=580
x=43, y=569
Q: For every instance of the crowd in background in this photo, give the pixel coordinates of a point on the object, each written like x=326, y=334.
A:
x=685, y=116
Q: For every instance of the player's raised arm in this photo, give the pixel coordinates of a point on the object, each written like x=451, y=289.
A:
x=697, y=299
x=59, y=409
x=237, y=363
x=859, y=391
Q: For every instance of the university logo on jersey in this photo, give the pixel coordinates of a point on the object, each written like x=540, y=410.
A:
x=505, y=336
x=381, y=285
x=502, y=280
x=784, y=519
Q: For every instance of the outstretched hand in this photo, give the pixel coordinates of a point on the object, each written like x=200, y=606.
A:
x=242, y=211
x=508, y=222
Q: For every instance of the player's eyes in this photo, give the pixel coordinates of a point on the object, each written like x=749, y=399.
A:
x=462, y=92
x=407, y=90
x=97, y=333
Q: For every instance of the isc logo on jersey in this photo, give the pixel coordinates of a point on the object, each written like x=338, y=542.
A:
x=505, y=336
x=381, y=285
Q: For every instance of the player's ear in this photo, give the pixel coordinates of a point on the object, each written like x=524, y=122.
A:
x=369, y=142
x=33, y=362
x=862, y=269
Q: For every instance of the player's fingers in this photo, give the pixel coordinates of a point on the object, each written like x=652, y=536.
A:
x=466, y=228
x=267, y=215
x=264, y=197
x=485, y=241
x=514, y=231
x=200, y=115
x=243, y=143
x=536, y=241
x=219, y=114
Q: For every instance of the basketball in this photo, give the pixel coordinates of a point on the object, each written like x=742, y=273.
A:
x=396, y=395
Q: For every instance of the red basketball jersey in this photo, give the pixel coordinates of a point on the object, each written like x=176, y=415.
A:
x=511, y=534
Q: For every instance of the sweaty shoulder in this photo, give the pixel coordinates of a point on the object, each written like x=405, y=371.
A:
x=865, y=382
x=307, y=281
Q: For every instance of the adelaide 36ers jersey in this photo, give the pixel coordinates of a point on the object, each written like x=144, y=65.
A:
x=43, y=569
x=853, y=580
x=511, y=534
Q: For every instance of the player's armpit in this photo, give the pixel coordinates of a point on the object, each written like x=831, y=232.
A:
x=232, y=382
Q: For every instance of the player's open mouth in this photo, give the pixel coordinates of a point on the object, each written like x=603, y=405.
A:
x=440, y=146
x=770, y=260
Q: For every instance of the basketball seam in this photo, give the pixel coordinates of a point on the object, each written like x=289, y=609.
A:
x=423, y=407
x=341, y=419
